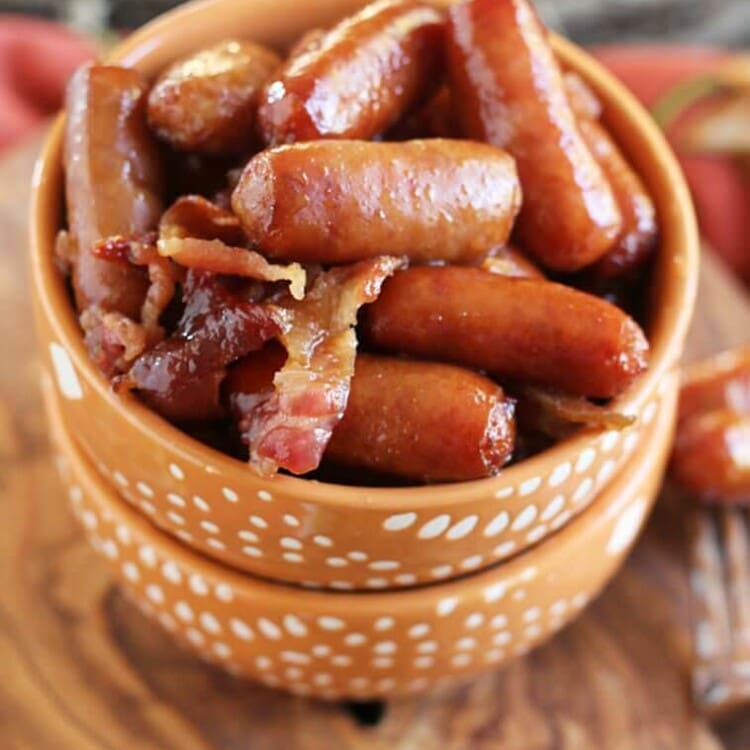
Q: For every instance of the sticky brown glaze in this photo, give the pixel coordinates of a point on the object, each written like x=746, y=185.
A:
x=721, y=382
x=423, y=420
x=181, y=376
x=290, y=425
x=359, y=78
x=511, y=93
x=342, y=201
x=208, y=102
x=711, y=457
x=113, y=183
x=531, y=330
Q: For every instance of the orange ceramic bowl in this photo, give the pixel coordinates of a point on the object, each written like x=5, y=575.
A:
x=347, y=537
x=336, y=645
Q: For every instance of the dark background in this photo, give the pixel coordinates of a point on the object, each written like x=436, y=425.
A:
x=725, y=22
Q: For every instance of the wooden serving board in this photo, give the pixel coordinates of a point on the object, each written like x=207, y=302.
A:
x=83, y=670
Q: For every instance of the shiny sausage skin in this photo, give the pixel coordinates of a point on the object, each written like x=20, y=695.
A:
x=721, y=382
x=710, y=458
x=359, y=79
x=208, y=102
x=342, y=201
x=423, y=420
x=419, y=420
x=511, y=93
x=638, y=236
x=530, y=330
x=581, y=97
x=637, y=240
x=509, y=261
x=113, y=182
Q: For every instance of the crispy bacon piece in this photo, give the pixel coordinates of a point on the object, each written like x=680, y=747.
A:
x=227, y=260
x=290, y=425
x=180, y=376
x=557, y=414
x=196, y=233
x=113, y=340
x=195, y=216
x=162, y=273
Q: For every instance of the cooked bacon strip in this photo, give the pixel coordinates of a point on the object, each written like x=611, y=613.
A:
x=556, y=414
x=180, y=376
x=196, y=233
x=112, y=339
x=290, y=426
x=195, y=216
x=163, y=275
x=227, y=260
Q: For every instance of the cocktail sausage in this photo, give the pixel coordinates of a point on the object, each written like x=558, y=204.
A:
x=113, y=183
x=342, y=201
x=531, y=330
x=208, y=102
x=357, y=79
x=419, y=420
x=511, y=93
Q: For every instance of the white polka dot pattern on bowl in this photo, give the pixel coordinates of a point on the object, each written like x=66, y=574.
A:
x=267, y=532
x=354, y=652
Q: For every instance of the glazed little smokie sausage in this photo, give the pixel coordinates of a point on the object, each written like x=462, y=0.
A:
x=530, y=330
x=342, y=201
x=113, y=183
x=455, y=195
x=423, y=420
x=722, y=382
x=208, y=102
x=357, y=79
x=711, y=457
x=419, y=420
x=511, y=93
x=637, y=239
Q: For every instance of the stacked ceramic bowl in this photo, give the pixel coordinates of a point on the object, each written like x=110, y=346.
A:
x=412, y=585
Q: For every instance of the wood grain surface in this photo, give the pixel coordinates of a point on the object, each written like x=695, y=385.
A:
x=83, y=670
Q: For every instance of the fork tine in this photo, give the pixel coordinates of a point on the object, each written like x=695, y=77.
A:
x=737, y=557
x=712, y=636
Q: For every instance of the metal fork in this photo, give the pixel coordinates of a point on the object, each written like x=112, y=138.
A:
x=720, y=602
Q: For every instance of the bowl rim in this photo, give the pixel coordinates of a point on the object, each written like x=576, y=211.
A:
x=667, y=328
x=650, y=456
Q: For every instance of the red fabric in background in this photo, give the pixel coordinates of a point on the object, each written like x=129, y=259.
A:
x=37, y=57
x=720, y=192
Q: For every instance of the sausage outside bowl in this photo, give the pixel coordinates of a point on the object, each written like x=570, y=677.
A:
x=334, y=536
x=335, y=645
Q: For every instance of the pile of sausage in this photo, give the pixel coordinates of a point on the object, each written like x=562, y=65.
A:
x=318, y=248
